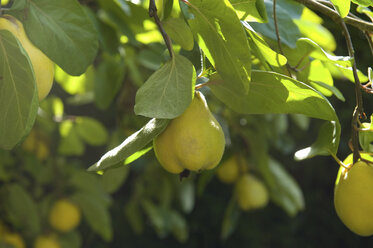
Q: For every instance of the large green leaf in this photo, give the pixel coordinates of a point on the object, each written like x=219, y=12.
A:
x=342, y=6
x=62, y=30
x=250, y=10
x=220, y=35
x=131, y=145
x=274, y=93
x=168, y=91
x=18, y=93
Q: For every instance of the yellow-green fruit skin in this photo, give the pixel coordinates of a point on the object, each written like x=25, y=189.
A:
x=42, y=65
x=46, y=242
x=12, y=239
x=229, y=170
x=251, y=192
x=353, y=198
x=193, y=141
x=64, y=215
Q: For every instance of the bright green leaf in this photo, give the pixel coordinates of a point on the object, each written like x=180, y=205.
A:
x=70, y=143
x=364, y=3
x=62, y=30
x=18, y=93
x=220, y=35
x=250, y=10
x=168, y=91
x=132, y=144
x=75, y=84
x=91, y=131
x=342, y=6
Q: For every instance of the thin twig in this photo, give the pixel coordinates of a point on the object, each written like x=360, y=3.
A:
x=166, y=38
x=278, y=36
x=358, y=23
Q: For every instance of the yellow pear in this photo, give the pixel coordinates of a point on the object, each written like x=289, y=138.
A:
x=13, y=239
x=42, y=65
x=229, y=170
x=193, y=141
x=64, y=215
x=251, y=192
x=46, y=241
x=353, y=197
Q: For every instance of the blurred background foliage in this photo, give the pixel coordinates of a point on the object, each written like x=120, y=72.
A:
x=141, y=205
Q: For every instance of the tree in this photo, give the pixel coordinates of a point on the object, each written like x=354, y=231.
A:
x=125, y=69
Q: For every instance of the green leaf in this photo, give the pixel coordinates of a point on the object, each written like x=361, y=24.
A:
x=250, y=10
x=70, y=143
x=366, y=136
x=18, y=93
x=71, y=239
x=168, y=91
x=20, y=209
x=326, y=143
x=230, y=219
x=284, y=190
x=180, y=32
x=62, y=30
x=132, y=144
x=342, y=6
x=274, y=93
x=366, y=11
x=219, y=34
x=364, y=3
x=75, y=84
x=331, y=88
x=187, y=195
x=109, y=79
x=91, y=131
x=96, y=213
x=113, y=179
x=263, y=51
x=178, y=226
x=132, y=212
x=288, y=30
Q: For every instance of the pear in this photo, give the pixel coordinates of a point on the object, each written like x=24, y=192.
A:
x=42, y=65
x=251, y=192
x=193, y=141
x=353, y=199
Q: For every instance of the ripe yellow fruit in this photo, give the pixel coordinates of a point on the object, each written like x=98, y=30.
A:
x=229, y=170
x=194, y=140
x=44, y=241
x=13, y=239
x=42, y=65
x=251, y=192
x=64, y=215
x=353, y=199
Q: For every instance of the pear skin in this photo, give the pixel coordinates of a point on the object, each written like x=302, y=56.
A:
x=193, y=141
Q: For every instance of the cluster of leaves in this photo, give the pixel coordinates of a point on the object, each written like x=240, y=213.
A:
x=242, y=70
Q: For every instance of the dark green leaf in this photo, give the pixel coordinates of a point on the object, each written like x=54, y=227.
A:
x=132, y=144
x=168, y=91
x=20, y=209
x=18, y=93
x=113, y=179
x=289, y=32
x=109, y=78
x=230, y=219
x=219, y=34
x=284, y=190
x=70, y=240
x=62, y=30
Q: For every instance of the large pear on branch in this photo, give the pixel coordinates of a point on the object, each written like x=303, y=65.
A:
x=43, y=67
x=193, y=141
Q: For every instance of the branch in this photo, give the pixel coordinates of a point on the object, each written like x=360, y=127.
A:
x=166, y=38
x=358, y=23
x=278, y=36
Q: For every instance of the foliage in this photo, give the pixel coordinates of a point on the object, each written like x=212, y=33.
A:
x=267, y=68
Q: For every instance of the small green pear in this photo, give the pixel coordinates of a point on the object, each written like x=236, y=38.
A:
x=193, y=141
